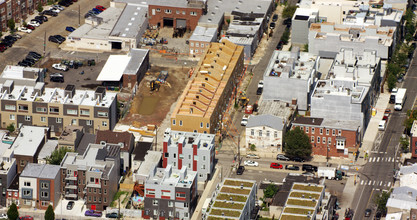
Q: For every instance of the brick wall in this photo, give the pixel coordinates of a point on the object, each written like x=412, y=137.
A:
x=413, y=147
x=156, y=15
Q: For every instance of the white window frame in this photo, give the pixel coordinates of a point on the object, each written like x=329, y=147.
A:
x=50, y=110
x=72, y=112
x=41, y=109
x=74, y=121
x=12, y=117
x=173, y=122
x=43, y=119
x=58, y=120
x=89, y=122
x=28, y=118
x=85, y=112
x=193, y=13
x=102, y=114
x=104, y=123
x=10, y=107
x=168, y=11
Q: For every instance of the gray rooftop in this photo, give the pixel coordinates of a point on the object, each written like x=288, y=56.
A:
x=276, y=108
x=266, y=120
x=86, y=140
x=47, y=149
x=28, y=140
x=351, y=125
x=136, y=60
x=204, y=34
x=43, y=171
x=130, y=22
x=408, y=169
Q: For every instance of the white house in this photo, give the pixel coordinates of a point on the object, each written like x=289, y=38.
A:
x=265, y=131
x=28, y=190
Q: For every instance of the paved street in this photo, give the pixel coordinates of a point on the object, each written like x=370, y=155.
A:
x=377, y=174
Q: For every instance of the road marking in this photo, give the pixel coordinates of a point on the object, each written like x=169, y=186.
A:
x=373, y=159
x=260, y=171
x=370, y=181
x=374, y=182
x=380, y=184
x=72, y=52
x=362, y=182
x=377, y=160
x=389, y=159
x=389, y=184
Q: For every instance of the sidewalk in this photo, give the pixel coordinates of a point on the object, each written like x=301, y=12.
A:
x=348, y=194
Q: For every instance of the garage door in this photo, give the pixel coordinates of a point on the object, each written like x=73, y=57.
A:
x=168, y=22
x=181, y=23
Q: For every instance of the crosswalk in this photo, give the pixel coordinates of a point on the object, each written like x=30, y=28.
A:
x=383, y=159
x=376, y=183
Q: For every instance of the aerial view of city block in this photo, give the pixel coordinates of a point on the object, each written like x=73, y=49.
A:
x=208, y=109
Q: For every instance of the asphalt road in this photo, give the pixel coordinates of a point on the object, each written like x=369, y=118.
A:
x=378, y=173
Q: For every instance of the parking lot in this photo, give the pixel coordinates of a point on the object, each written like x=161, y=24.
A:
x=76, y=212
x=55, y=25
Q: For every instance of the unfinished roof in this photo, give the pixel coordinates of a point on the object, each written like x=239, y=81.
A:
x=204, y=34
x=211, y=77
x=307, y=121
x=276, y=108
x=47, y=149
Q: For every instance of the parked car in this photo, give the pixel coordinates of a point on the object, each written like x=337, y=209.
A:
x=112, y=215
x=58, y=7
x=309, y=168
x=96, y=10
x=240, y=170
x=275, y=18
x=22, y=64
x=31, y=57
x=35, y=54
x=3, y=48
x=30, y=27
x=276, y=166
x=50, y=13
x=7, y=43
x=70, y=29
x=251, y=163
x=55, y=10
x=55, y=39
x=382, y=125
x=297, y=159
x=282, y=157
x=3, y=216
x=92, y=213
x=10, y=38
x=26, y=217
x=308, y=174
x=378, y=215
x=59, y=66
x=34, y=23
x=24, y=30
x=261, y=84
x=272, y=25
x=368, y=212
x=291, y=167
x=253, y=156
x=70, y=205
x=99, y=7
x=280, y=44
x=30, y=61
x=244, y=121
x=40, y=21
x=57, y=77
x=259, y=91
x=42, y=17
x=18, y=36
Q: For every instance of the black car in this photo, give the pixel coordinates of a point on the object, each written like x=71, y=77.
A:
x=275, y=18
x=279, y=46
x=61, y=38
x=7, y=43
x=240, y=170
x=112, y=215
x=287, y=21
x=378, y=215
x=50, y=13
x=54, y=39
x=39, y=20
x=34, y=54
x=309, y=168
x=32, y=57
x=30, y=61
x=10, y=38
x=259, y=91
x=291, y=167
x=272, y=25
x=368, y=212
x=23, y=64
x=70, y=205
x=297, y=159
x=57, y=77
x=42, y=18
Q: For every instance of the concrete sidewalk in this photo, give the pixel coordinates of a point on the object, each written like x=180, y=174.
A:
x=348, y=194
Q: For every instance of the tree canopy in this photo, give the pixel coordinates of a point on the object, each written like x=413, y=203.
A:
x=11, y=24
x=381, y=201
x=297, y=143
x=12, y=213
x=49, y=213
x=57, y=155
x=289, y=11
x=270, y=191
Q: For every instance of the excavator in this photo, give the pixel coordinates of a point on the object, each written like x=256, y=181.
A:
x=154, y=85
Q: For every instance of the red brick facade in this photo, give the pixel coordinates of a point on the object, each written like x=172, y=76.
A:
x=157, y=14
x=413, y=146
x=321, y=138
x=17, y=10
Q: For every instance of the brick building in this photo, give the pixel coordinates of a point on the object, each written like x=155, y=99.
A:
x=339, y=137
x=177, y=14
x=17, y=10
x=413, y=140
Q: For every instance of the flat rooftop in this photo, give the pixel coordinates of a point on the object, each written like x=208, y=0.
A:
x=276, y=108
x=327, y=88
x=29, y=139
x=130, y=21
x=173, y=177
x=152, y=158
x=16, y=72
x=42, y=171
x=203, y=34
x=47, y=149
x=203, y=141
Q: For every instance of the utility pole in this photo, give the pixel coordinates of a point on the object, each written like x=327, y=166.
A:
x=44, y=44
x=79, y=16
x=238, y=149
x=156, y=138
x=118, y=214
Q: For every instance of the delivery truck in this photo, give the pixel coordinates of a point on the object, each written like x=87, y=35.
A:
x=400, y=98
x=329, y=173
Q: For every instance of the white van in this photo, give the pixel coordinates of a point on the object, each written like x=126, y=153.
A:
x=382, y=125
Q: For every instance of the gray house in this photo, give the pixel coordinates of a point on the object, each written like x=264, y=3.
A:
x=301, y=21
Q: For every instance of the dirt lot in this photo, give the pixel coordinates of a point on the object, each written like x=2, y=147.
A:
x=152, y=107
x=73, y=76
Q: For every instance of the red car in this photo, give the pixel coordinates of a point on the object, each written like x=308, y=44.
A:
x=30, y=27
x=276, y=166
x=27, y=217
x=100, y=8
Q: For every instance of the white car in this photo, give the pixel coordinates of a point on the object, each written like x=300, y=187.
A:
x=59, y=66
x=251, y=163
x=56, y=10
x=382, y=125
x=59, y=7
x=244, y=121
x=34, y=24
x=254, y=156
x=24, y=30
x=261, y=84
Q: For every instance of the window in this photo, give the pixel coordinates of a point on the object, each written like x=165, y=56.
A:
x=192, y=44
x=89, y=190
x=193, y=13
x=180, y=123
x=22, y=163
x=102, y=114
x=158, y=10
x=201, y=125
x=168, y=11
x=318, y=139
x=170, y=213
x=27, y=193
x=327, y=131
x=105, y=191
x=170, y=204
x=155, y=202
x=321, y=130
x=166, y=193
x=267, y=133
x=306, y=129
x=72, y=111
x=74, y=121
x=44, y=186
x=340, y=132
x=44, y=194
x=95, y=190
x=177, y=12
x=155, y=212
x=186, y=214
x=12, y=117
x=59, y=120
x=197, y=44
x=85, y=112
x=105, y=182
x=26, y=183
x=275, y=134
x=105, y=199
x=54, y=110
x=312, y=130
x=334, y=132
x=99, y=199
x=329, y=141
x=260, y=133
x=189, y=157
x=27, y=118
x=23, y=108
x=89, y=198
x=207, y=125
x=204, y=158
x=40, y=109
x=89, y=122
x=324, y=140
x=43, y=119
x=186, y=205
x=181, y=195
x=95, y=199
x=196, y=51
x=104, y=123
x=10, y=107
x=252, y=132
x=92, y=179
x=183, y=12
x=312, y=139
x=173, y=122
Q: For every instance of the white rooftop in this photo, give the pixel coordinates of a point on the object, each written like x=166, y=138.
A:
x=16, y=72
x=28, y=140
x=414, y=129
x=114, y=68
x=152, y=158
x=205, y=34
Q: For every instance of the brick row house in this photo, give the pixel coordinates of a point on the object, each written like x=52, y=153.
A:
x=17, y=10
x=330, y=137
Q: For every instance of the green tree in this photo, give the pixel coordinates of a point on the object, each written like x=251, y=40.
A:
x=297, y=143
x=11, y=128
x=270, y=191
x=11, y=25
x=408, y=122
x=12, y=213
x=285, y=36
x=57, y=155
x=404, y=144
x=289, y=11
x=49, y=213
x=305, y=47
x=392, y=80
x=40, y=8
x=252, y=147
x=381, y=201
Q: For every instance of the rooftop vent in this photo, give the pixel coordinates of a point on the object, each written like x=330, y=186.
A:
x=100, y=93
x=69, y=91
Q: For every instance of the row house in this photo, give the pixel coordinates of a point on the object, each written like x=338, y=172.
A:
x=192, y=150
x=17, y=10
x=330, y=137
x=92, y=176
x=170, y=194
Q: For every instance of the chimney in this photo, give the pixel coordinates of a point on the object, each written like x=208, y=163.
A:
x=8, y=86
x=69, y=91
x=294, y=101
x=39, y=88
x=100, y=93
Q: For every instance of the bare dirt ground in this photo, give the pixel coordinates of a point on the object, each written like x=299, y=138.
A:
x=152, y=107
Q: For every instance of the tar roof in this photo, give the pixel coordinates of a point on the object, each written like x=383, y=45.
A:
x=29, y=139
x=112, y=137
x=47, y=149
x=266, y=120
x=85, y=141
x=43, y=171
x=141, y=150
x=308, y=121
